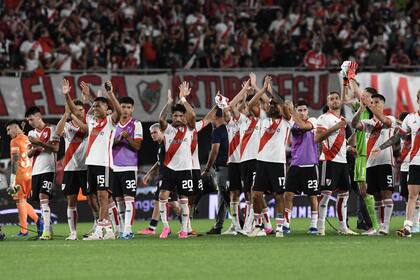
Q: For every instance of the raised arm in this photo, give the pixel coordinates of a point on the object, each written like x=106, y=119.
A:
x=253, y=102
x=355, y=122
x=253, y=80
x=165, y=111
x=114, y=102
x=303, y=125
x=62, y=122
x=66, y=91
x=209, y=116
x=380, y=115
x=81, y=124
x=184, y=90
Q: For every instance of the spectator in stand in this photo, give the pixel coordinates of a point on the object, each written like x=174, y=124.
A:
x=335, y=60
x=149, y=53
x=290, y=56
x=315, y=59
x=227, y=60
x=399, y=59
x=77, y=49
x=266, y=51
x=377, y=57
x=32, y=63
x=4, y=52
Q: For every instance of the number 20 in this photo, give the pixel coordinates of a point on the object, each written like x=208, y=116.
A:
x=187, y=184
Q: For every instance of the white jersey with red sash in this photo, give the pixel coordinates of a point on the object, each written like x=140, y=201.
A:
x=99, y=147
x=273, y=140
x=44, y=162
x=376, y=134
x=334, y=146
x=234, y=136
x=178, y=147
x=250, y=137
x=194, y=145
x=411, y=125
x=76, y=144
x=405, y=153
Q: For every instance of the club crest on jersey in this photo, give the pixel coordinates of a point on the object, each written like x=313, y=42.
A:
x=44, y=134
x=328, y=182
x=149, y=94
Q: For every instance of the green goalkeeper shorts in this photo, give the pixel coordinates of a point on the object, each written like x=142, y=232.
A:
x=360, y=169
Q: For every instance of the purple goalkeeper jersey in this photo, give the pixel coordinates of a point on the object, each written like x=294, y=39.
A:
x=304, y=148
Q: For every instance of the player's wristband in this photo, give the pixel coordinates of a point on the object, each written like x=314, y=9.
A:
x=13, y=179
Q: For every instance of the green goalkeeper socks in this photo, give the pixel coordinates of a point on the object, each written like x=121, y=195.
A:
x=370, y=205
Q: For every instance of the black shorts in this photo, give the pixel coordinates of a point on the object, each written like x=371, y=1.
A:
x=123, y=183
x=172, y=197
x=302, y=180
x=404, y=185
x=334, y=176
x=248, y=169
x=414, y=175
x=73, y=181
x=234, y=182
x=270, y=177
x=42, y=183
x=180, y=182
x=197, y=181
x=98, y=178
x=379, y=178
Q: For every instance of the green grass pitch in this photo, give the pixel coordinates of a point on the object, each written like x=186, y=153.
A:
x=298, y=256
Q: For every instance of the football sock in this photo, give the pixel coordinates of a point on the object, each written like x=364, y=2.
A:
x=183, y=202
x=163, y=210
x=234, y=211
x=279, y=221
x=72, y=218
x=323, y=207
x=379, y=207
x=113, y=215
x=130, y=212
x=341, y=206
x=121, y=205
x=31, y=212
x=287, y=217
x=416, y=217
x=388, y=207
x=314, y=219
x=370, y=206
x=266, y=218
x=46, y=215
x=23, y=217
x=153, y=224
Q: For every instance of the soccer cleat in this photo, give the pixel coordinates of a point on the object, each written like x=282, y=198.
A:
x=165, y=233
x=214, y=231
x=230, y=231
x=415, y=229
x=384, y=230
x=257, y=232
x=286, y=230
x=45, y=236
x=404, y=232
x=147, y=231
x=370, y=232
x=279, y=233
x=127, y=236
x=347, y=231
x=269, y=231
x=89, y=233
x=109, y=235
x=183, y=235
x=20, y=234
x=93, y=236
x=39, y=226
x=313, y=230
x=72, y=236
x=321, y=231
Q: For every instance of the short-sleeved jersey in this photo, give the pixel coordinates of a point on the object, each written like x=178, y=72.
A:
x=194, y=145
x=99, y=146
x=250, y=136
x=334, y=146
x=234, y=136
x=273, y=139
x=376, y=134
x=360, y=135
x=124, y=158
x=405, y=153
x=44, y=162
x=411, y=125
x=178, y=147
x=19, y=145
x=304, y=150
x=76, y=143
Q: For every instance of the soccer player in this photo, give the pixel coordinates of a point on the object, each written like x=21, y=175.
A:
x=411, y=125
x=303, y=172
x=178, y=159
x=330, y=132
x=128, y=136
x=379, y=174
x=156, y=173
x=271, y=161
x=42, y=149
x=98, y=154
x=20, y=179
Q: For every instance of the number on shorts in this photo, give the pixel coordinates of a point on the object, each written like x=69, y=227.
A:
x=253, y=178
x=389, y=181
x=281, y=181
x=47, y=185
x=131, y=184
x=200, y=184
x=187, y=185
x=100, y=179
x=313, y=184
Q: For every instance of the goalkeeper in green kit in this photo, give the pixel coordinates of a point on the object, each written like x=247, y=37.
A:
x=349, y=72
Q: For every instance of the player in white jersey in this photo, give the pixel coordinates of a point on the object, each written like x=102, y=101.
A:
x=177, y=174
x=379, y=171
x=271, y=161
x=43, y=148
x=330, y=133
x=98, y=153
x=74, y=130
x=411, y=126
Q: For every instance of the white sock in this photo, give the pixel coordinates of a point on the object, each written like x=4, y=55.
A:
x=185, y=216
x=416, y=214
x=279, y=221
x=248, y=208
x=389, y=206
x=113, y=215
x=287, y=217
x=189, y=225
x=341, y=206
x=46, y=215
x=121, y=205
x=163, y=210
x=266, y=219
x=72, y=218
x=314, y=219
x=379, y=208
x=257, y=219
x=129, y=214
x=323, y=207
x=234, y=212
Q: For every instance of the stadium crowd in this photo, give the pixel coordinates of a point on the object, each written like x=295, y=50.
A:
x=39, y=35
